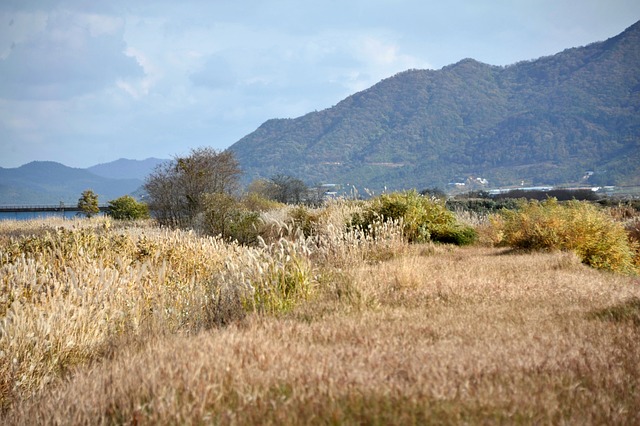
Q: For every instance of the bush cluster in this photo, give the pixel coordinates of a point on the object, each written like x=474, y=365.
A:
x=127, y=208
x=481, y=206
x=576, y=226
x=227, y=217
x=236, y=218
x=422, y=218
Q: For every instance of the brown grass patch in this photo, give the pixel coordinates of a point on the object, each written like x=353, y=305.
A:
x=434, y=335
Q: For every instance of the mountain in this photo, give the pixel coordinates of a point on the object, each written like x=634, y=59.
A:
x=545, y=121
x=126, y=169
x=48, y=182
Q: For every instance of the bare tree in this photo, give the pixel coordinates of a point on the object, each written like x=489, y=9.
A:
x=177, y=188
x=288, y=189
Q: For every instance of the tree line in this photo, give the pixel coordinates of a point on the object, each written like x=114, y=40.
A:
x=202, y=191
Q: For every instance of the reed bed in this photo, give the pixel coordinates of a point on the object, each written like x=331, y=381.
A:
x=104, y=323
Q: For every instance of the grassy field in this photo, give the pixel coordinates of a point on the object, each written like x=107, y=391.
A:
x=112, y=323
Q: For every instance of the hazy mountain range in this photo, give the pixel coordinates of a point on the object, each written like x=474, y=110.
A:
x=570, y=118
x=48, y=182
x=549, y=121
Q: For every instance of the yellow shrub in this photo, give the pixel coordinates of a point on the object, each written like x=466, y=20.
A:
x=577, y=226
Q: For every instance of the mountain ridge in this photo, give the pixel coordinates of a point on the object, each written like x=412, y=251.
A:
x=539, y=122
x=543, y=121
x=50, y=182
x=125, y=168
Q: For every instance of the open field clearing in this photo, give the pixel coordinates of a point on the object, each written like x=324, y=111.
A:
x=105, y=323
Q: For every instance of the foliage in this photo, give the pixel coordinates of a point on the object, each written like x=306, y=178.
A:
x=88, y=203
x=127, y=208
x=576, y=226
x=280, y=277
x=109, y=339
x=434, y=192
x=558, y=194
x=228, y=218
x=286, y=189
x=255, y=202
x=482, y=206
x=422, y=219
x=68, y=294
x=305, y=220
x=177, y=189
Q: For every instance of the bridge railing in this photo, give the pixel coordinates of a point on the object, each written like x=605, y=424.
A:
x=45, y=208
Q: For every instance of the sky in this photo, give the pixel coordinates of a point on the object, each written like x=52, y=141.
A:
x=84, y=82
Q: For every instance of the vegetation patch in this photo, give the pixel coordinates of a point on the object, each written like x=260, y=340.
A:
x=422, y=218
x=576, y=226
x=626, y=311
x=310, y=320
x=127, y=208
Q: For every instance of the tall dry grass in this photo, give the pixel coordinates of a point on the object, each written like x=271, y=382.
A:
x=69, y=293
x=107, y=324
x=508, y=338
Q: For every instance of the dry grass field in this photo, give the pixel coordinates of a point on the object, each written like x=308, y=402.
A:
x=109, y=323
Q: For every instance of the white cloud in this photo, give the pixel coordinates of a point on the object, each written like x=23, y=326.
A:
x=73, y=54
x=152, y=78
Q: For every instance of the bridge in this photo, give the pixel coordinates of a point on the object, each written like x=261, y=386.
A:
x=46, y=208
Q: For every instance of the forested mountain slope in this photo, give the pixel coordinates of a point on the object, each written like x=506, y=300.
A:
x=545, y=121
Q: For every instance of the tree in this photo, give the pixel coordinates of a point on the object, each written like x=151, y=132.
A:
x=127, y=208
x=228, y=217
x=434, y=192
x=88, y=203
x=177, y=188
x=284, y=189
x=287, y=190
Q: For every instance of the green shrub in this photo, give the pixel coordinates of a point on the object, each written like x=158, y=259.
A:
x=258, y=203
x=228, y=218
x=304, y=220
x=457, y=234
x=422, y=218
x=127, y=208
x=482, y=206
x=88, y=203
x=577, y=226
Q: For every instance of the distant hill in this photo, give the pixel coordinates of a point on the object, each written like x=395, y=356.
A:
x=126, y=169
x=48, y=182
x=542, y=122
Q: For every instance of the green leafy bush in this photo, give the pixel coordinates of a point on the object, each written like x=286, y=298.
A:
x=482, y=205
x=304, y=219
x=127, y=208
x=577, y=226
x=256, y=202
x=228, y=218
x=88, y=203
x=422, y=218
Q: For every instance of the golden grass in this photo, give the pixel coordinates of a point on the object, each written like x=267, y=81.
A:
x=385, y=333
